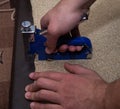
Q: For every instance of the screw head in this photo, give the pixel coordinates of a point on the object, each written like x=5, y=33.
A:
x=26, y=24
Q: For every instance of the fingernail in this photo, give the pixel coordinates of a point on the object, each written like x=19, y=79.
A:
x=26, y=88
x=27, y=95
x=31, y=75
x=48, y=51
x=32, y=104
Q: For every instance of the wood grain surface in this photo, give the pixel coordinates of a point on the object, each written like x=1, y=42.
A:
x=6, y=46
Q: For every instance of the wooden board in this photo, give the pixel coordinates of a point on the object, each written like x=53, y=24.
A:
x=22, y=63
x=6, y=52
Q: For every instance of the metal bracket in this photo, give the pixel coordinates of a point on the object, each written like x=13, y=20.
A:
x=27, y=27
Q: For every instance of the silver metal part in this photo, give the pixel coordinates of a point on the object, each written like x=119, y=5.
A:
x=27, y=27
x=84, y=17
x=26, y=24
x=43, y=32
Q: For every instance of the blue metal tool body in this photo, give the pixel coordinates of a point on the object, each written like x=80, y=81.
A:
x=38, y=47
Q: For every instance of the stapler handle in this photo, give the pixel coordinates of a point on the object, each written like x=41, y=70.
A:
x=75, y=41
x=39, y=47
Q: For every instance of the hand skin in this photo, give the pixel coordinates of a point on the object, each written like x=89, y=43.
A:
x=62, y=19
x=81, y=88
x=63, y=48
x=113, y=95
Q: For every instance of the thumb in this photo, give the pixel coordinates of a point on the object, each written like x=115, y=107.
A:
x=52, y=34
x=50, y=43
x=77, y=69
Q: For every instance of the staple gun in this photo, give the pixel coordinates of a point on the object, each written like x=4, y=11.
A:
x=37, y=45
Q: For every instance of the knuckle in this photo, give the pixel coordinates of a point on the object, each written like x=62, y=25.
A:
x=40, y=82
x=36, y=96
x=42, y=92
x=30, y=87
x=54, y=30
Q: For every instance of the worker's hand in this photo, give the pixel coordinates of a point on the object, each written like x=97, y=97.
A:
x=74, y=33
x=80, y=89
x=63, y=18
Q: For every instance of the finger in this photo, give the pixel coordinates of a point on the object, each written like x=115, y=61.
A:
x=51, y=75
x=50, y=44
x=32, y=87
x=77, y=69
x=43, y=95
x=72, y=48
x=44, y=22
x=63, y=48
x=36, y=105
x=79, y=48
x=52, y=37
x=75, y=32
x=43, y=83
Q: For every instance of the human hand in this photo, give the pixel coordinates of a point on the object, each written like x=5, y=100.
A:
x=63, y=19
x=80, y=89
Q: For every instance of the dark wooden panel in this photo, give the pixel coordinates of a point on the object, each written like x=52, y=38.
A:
x=23, y=63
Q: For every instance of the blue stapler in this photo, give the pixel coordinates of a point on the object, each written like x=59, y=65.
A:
x=37, y=46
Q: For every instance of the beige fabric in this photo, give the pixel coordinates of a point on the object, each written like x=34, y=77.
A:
x=103, y=28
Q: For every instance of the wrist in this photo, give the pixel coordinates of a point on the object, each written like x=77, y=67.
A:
x=78, y=4
x=112, y=97
x=73, y=7
x=100, y=94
